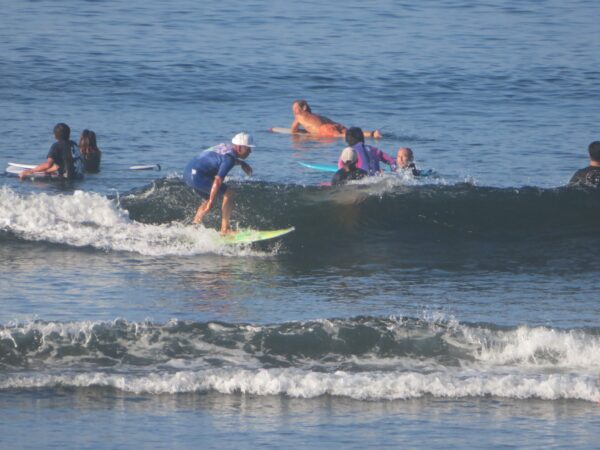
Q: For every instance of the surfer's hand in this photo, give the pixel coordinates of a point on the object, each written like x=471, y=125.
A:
x=23, y=174
x=247, y=169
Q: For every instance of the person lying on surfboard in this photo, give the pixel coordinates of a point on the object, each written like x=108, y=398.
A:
x=368, y=157
x=63, y=158
x=206, y=172
x=319, y=125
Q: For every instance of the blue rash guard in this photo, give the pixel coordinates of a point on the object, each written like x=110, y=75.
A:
x=200, y=172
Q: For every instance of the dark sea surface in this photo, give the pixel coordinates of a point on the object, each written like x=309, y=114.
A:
x=458, y=310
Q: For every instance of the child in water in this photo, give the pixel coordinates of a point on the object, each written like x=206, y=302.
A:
x=89, y=151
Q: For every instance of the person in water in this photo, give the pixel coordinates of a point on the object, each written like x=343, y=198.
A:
x=89, y=151
x=349, y=171
x=319, y=125
x=64, y=158
x=590, y=175
x=368, y=157
x=206, y=172
x=405, y=160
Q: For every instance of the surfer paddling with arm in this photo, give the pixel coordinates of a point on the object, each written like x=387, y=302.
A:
x=368, y=157
x=320, y=126
x=63, y=158
x=206, y=172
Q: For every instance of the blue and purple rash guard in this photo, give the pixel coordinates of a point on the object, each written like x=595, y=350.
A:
x=200, y=172
x=369, y=158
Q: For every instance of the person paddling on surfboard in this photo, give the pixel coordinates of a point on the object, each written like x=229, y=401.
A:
x=319, y=125
x=206, y=172
x=349, y=171
x=64, y=157
x=368, y=156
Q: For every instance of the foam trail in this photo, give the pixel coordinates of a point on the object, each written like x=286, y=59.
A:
x=303, y=384
x=89, y=219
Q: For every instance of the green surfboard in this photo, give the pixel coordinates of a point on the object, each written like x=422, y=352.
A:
x=250, y=236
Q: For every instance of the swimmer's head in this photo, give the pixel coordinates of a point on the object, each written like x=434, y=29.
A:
x=594, y=151
x=62, y=132
x=87, y=140
x=404, y=157
x=354, y=135
x=300, y=106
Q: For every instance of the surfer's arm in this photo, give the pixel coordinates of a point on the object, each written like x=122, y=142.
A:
x=295, y=126
x=245, y=167
x=43, y=167
x=387, y=159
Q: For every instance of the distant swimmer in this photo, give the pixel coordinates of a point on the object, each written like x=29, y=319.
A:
x=405, y=161
x=64, y=158
x=206, y=172
x=368, y=157
x=319, y=125
x=90, y=153
x=589, y=176
x=349, y=171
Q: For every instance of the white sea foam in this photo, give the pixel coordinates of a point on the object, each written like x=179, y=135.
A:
x=304, y=384
x=89, y=219
x=536, y=347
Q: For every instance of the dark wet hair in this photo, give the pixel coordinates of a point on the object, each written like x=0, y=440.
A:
x=594, y=150
x=62, y=132
x=354, y=135
x=87, y=141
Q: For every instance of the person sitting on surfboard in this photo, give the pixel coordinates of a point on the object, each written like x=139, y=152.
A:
x=63, y=158
x=349, y=171
x=90, y=152
x=319, y=125
x=590, y=175
x=206, y=172
x=368, y=156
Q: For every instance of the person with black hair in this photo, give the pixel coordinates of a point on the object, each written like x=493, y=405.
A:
x=349, y=171
x=90, y=152
x=590, y=175
x=368, y=157
x=63, y=158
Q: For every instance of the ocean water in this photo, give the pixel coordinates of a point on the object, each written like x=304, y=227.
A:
x=454, y=311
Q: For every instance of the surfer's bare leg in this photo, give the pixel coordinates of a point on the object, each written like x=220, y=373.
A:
x=226, y=210
x=202, y=210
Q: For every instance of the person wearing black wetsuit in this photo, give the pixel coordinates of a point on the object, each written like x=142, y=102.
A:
x=405, y=161
x=90, y=153
x=349, y=171
x=590, y=175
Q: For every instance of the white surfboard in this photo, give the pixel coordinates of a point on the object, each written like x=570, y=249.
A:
x=287, y=131
x=145, y=167
x=16, y=171
x=21, y=166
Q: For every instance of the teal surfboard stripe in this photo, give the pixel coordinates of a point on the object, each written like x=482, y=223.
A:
x=320, y=167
